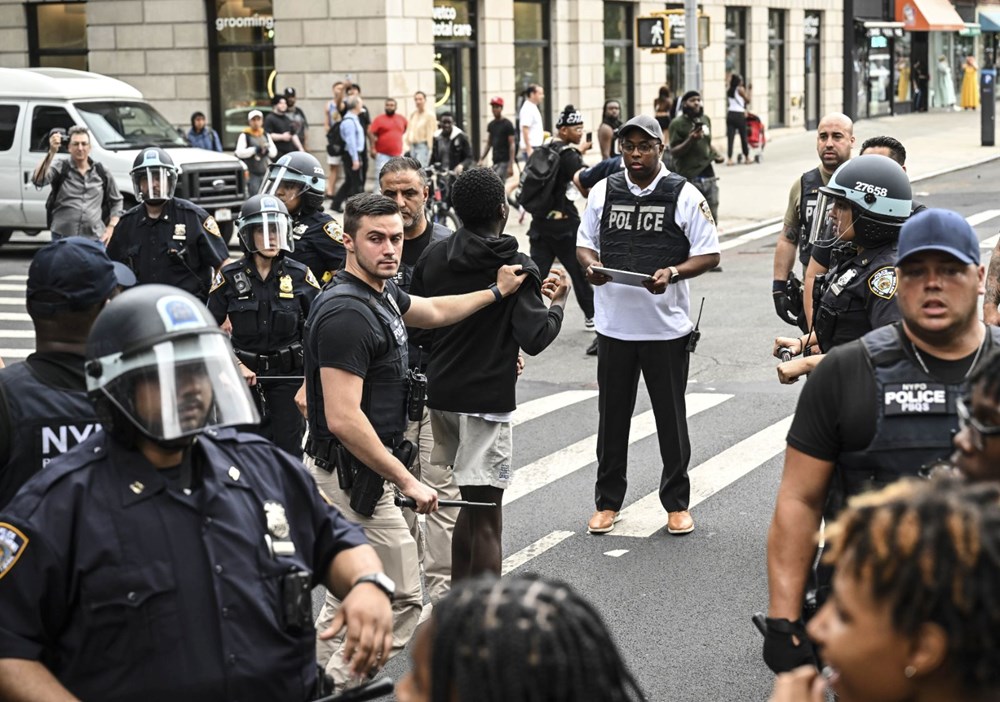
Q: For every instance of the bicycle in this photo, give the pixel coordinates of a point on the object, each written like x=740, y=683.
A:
x=439, y=210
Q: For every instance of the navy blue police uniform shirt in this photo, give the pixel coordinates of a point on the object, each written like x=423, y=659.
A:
x=319, y=244
x=128, y=588
x=267, y=315
x=183, y=247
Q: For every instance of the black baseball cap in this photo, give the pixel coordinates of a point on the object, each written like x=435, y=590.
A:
x=289, y=92
x=75, y=272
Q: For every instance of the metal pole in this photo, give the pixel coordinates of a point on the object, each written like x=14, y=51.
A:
x=692, y=60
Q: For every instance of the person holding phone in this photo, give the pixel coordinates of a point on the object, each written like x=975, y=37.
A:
x=692, y=150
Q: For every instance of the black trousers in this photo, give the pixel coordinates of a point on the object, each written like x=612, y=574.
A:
x=545, y=249
x=736, y=123
x=354, y=182
x=280, y=419
x=664, y=366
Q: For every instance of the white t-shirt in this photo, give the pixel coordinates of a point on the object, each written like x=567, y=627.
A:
x=531, y=117
x=634, y=314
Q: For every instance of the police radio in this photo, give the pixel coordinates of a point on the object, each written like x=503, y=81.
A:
x=695, y=337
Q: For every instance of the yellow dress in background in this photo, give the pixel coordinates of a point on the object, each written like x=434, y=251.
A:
x=970, y=88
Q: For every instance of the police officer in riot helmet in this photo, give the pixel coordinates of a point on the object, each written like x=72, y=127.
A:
x=172, y=517
x=299, y=181
x=877, y=409
x=266, y=295
x=863, y=206
x=167, y=239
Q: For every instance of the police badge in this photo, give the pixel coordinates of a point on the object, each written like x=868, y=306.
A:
x=180, y=232
x=277, y=521
x=285, y=286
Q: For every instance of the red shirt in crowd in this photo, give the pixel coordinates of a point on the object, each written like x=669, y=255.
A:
x=388, y=132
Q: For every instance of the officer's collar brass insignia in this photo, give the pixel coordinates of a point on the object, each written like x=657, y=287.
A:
x=137, y=487
x=180, y=231
x=285, y=284
x=277, y=520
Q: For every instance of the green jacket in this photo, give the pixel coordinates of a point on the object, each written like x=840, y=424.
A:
x=700, y=154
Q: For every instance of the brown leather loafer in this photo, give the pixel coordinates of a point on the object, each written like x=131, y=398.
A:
x=679, y=523
x=603, y=521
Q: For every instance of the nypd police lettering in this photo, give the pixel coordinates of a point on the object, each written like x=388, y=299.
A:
x=916, y=398
x=648, y=218
x=61, y=438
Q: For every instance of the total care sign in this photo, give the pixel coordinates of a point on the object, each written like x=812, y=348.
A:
x=445, y=25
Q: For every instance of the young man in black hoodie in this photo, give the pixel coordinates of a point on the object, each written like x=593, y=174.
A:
x=473, y=370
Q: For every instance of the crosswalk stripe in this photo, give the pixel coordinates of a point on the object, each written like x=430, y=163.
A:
x=12, y=287
x=18, y=333
x=534, y=409
x=516, y=560
x=645, y=517
x=15, y=353
x=751, y=236
x=581, y=454
x=14, y=317
x=13, y=276
x=975, y=220
x=18, y=301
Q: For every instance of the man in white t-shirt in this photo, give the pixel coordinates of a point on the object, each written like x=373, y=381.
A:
x=648, y=220
x=530, y=117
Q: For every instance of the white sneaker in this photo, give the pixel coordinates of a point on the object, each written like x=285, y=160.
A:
x=588, y=323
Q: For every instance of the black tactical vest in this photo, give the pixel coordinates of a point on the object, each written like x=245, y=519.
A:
x=384, y=394
x=44, y=422
x=640, y=234
x=842, y=314
x=916, y=416
x=811, y=182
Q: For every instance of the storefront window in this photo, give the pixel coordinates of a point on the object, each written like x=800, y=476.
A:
x=241, y=49
x=455, y=61
x=879, y=76
x=903, y=88
x=618, y=55
x=736, y=39
x=776, y=67
x=531, y=50
x=811, y=29
x=57, y=35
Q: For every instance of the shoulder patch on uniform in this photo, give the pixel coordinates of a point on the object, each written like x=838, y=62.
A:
x=12, y=545
x=706, y=211
x=218, y=281
x=334, y=231
x=311, y=279
x=882, y=282
x=211, y=226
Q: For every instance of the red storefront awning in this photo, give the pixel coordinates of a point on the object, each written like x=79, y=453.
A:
x=928, y=16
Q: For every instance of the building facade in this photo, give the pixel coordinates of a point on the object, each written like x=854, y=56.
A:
x=225, y=57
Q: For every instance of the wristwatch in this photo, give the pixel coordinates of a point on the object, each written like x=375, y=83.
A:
x=380, y=580
x=674, y=274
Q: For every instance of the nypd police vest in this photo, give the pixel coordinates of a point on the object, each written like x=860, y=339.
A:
x=384, y=392
x=842, y=313
x=916, y=414
x=639, y=233
x=810, y=182
x=44, y=421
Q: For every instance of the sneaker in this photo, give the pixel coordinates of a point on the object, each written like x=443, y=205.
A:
x=592, y=349
x=588, y=323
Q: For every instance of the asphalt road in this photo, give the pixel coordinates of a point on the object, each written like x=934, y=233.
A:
x=679, y=607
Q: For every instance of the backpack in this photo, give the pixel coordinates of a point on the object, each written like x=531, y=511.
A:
x=538, y=178
x=334, y=141
x=56, y=186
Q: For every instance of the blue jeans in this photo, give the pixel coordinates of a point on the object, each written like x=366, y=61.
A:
x=421, y=152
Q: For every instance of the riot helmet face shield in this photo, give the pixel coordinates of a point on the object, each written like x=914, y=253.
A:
x=284, y=183
x=833, y=220
x=154, y=184
x=177, y=388
x=266, y=232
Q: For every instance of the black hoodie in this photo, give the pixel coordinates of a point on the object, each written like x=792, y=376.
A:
x=474, y=365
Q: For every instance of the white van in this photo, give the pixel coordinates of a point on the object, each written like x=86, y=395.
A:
x=33, y=101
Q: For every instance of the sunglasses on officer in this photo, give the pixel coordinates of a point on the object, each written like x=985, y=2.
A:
x=977, y=430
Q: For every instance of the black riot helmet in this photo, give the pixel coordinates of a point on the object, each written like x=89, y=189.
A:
x=879, y=193
x=159, y=366
x=265, y=216
x=154, y=176
x=297, y=174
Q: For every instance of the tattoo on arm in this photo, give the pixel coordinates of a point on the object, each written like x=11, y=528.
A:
x=993, y=283
x=791, y=234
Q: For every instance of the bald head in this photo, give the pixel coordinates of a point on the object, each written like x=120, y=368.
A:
x=834, y=140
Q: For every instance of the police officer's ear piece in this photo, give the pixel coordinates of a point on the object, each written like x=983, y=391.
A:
x=94, y=369
x=870, y=198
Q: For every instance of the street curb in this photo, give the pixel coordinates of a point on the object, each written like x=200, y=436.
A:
x=743, y=229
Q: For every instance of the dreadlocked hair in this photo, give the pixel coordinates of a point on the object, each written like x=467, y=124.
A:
x=524, y=639
x=478, y=196
x=931, y=551
x=987, y=376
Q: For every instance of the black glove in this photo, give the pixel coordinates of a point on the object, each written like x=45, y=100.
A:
x=781, y=653
x=784, y=305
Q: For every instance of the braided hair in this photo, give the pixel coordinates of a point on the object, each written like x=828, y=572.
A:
x=930, y=550
x=524, y=638
x=478, y=195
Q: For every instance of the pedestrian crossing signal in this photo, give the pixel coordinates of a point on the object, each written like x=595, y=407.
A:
x=651, y=32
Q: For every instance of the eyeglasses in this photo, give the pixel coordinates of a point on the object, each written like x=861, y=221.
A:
x=977, y=430
x=643, y=148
